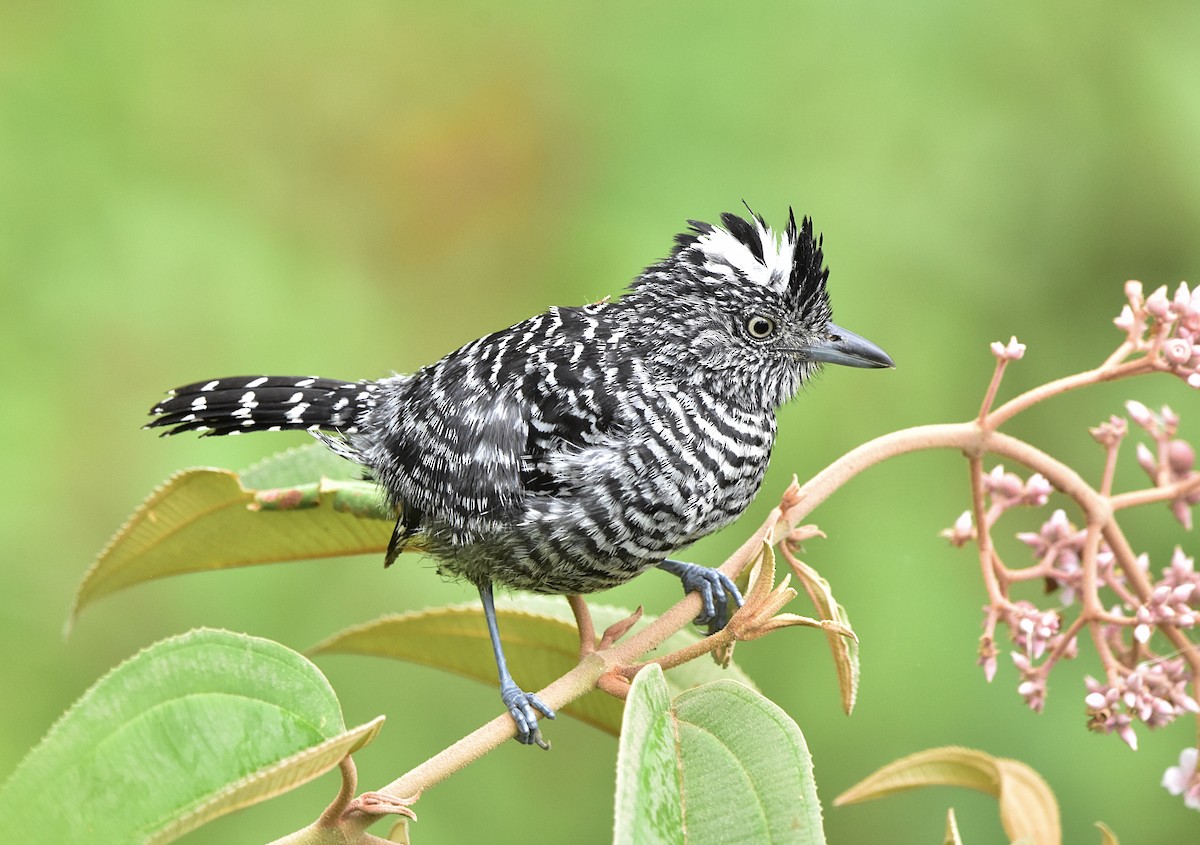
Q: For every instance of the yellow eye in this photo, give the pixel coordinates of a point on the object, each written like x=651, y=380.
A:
x=760, y=326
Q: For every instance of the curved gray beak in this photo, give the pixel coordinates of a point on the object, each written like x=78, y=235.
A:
x=848, y=349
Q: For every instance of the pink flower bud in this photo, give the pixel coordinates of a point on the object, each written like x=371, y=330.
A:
x=1133, y=291
x=1182, y=512
x=1110, y=433
x=1009, y=487
x=1012, y=351
x=1095, y=700
x=989, y=667
x=1058, y=526
x=1146, y=460
x=962, y=532
x=1181, y=457
x=1183, y=298
x=1158, y=305
x=1140, y=413
x=1037, y=490
x=1124, y=321
x=1177, y=351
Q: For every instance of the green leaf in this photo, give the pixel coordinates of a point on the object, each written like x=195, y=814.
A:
x=189, y=729
x=540, y=642
x=649, y=803
x=208, y=519
x=301, y=465
x=720, y=763
x=1028, y=809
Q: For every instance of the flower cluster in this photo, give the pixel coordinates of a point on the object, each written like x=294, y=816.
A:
x=1175, y=600
x=1143, y=628
x=1154, y=693
x=1058, y=547
x=1165, y=327
x=1172, y=462
x=1181, y=572
x=1032, y=629
x=1004, y=490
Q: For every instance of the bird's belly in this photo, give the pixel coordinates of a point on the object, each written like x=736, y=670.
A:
x=616, y=524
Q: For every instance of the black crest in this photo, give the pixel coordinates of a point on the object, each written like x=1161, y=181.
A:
x=794, y=268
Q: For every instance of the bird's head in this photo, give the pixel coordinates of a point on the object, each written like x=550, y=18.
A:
x=746, y=311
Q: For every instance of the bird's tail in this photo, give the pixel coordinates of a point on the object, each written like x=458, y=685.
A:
x=264, y=403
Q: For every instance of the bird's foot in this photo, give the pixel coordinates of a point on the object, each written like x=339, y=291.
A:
x=715, y=589
x=523, y=707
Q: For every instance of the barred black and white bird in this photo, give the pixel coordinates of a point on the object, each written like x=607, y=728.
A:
x=581, y=447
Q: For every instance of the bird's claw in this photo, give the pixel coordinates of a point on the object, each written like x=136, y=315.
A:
x=522, y=706
x=715, y=589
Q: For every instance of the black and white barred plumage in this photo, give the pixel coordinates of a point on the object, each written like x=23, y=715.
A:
x=582, y=446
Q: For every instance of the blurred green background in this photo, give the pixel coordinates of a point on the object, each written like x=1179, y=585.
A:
x=196, y=189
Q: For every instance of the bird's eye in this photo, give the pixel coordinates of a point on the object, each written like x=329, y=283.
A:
x=760, y=326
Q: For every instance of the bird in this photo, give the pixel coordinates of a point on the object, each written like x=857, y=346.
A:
x=587, y=444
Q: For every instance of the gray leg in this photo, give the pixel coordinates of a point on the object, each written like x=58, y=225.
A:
x=714, y=587
x=520, y=704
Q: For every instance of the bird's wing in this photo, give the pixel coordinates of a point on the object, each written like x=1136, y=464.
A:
x=575, y=394
x=452, y=451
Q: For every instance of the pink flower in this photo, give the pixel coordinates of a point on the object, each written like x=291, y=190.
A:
x=987, y=657
x=1031, y=628
x=1175, y=460
x=1132, y=320
x=1032, y=687
x=1012, y=351
x=1110, y=433
x=1037, y=490
x=961, y=533
x=1105, y=713
x=1140, y=414
x=1158, y=306
x=1006, y=488
x=1184, y=780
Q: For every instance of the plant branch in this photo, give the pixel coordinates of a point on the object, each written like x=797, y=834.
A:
x=1108, y=371
x=603, y=666
x=1151, y=495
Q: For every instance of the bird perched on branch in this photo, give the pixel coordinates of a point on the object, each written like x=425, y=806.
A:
x=583, y=446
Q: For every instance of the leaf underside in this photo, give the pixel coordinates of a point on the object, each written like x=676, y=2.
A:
x=297, y=505
x=719, y=763
x=188, y=729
